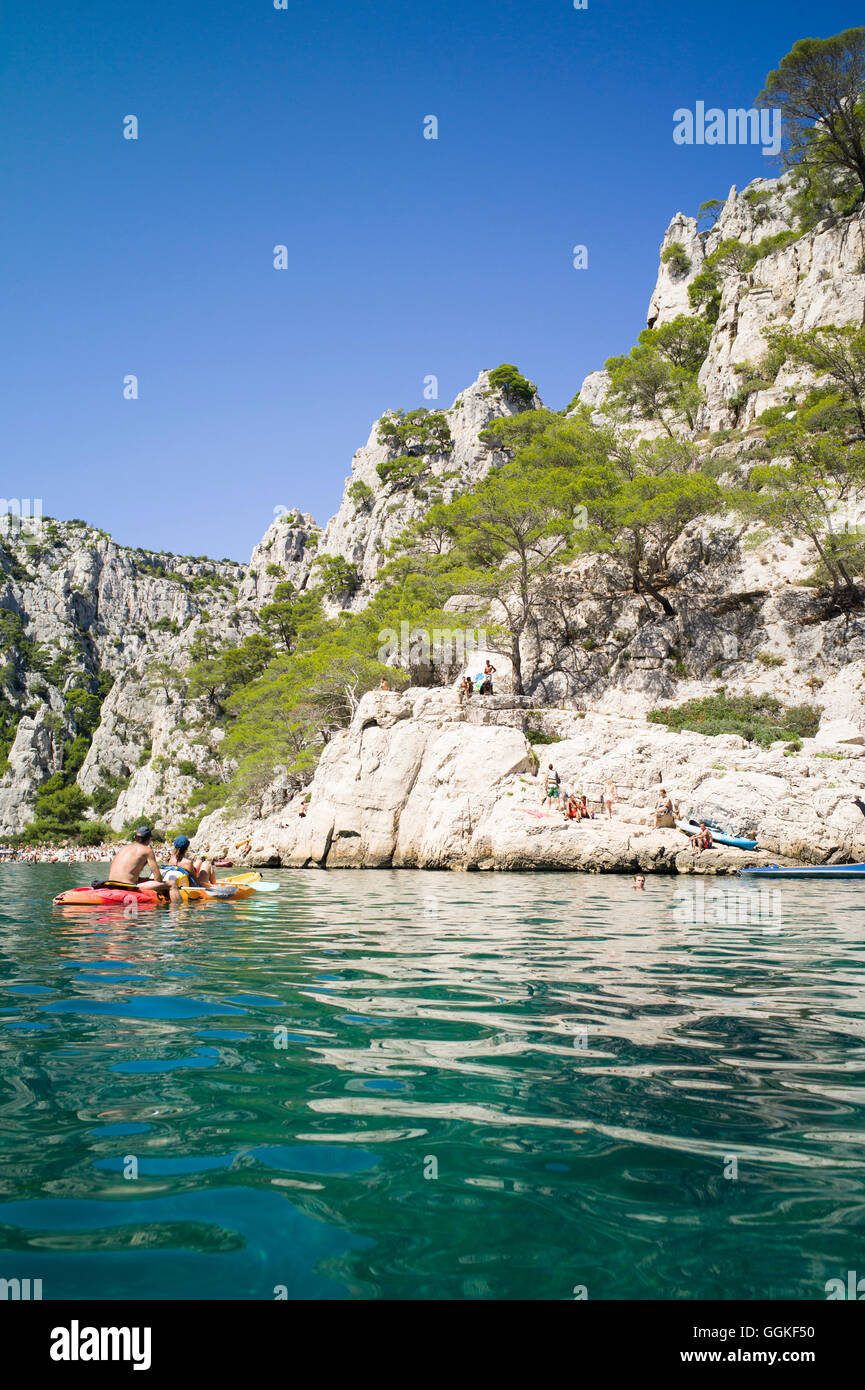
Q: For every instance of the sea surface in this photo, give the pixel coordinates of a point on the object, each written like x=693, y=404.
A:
x=412, y=1085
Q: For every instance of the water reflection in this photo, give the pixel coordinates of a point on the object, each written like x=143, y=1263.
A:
x=575, y=1063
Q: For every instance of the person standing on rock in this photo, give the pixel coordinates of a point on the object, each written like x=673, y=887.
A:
x=553, y=782
x=610, y=796
x=487, y=683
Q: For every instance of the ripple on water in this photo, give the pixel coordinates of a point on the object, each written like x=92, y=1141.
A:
x=431, y=1086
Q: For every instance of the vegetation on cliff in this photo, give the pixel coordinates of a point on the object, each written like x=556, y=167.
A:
x=760, y=719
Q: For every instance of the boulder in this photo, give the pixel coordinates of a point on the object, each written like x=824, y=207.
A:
x=839, y=731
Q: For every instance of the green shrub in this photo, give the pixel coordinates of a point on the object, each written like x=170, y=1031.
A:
x=107, y=793
x=361, y=494
x=757, y=196
x=188, y=827
x=338, y=575
x=93, y=832
x=513, y=384
x=748, y=387
x=760, y=719
x=401, y=472
x=415, y=432
x=677, y=258
x=704, y=292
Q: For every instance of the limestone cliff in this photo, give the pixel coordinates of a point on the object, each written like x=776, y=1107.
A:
x=420, y=781
x=81, y=612
x=815, y=280
x=91, y=610
x=372, y=512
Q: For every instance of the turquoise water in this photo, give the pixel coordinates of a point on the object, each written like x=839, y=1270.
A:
x=412, y=1085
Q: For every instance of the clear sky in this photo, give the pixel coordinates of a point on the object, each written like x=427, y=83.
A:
x=407, y=257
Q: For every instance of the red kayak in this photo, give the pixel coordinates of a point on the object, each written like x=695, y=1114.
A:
x=122, y=894
x=107, y=897
x=103, y=897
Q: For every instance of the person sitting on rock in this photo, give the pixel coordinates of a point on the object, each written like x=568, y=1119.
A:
x=465, y=689
x=702, y=840
x=572, y=807
x=585, y=813
x=663, y=807
x=383, y=685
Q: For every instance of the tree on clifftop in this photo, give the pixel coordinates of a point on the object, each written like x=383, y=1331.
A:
x=820, y=90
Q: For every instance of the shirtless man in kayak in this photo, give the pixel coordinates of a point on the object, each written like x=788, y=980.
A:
x=128, y=862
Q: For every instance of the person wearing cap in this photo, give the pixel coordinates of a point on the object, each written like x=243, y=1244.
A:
x=130, y=861
x=180, y=866
x=199, y=873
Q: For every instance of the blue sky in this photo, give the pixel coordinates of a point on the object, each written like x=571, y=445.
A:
x=408, y=257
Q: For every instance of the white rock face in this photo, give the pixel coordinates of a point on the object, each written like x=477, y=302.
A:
x=761, y=210
x=285, y=552
x=810, y=283
x=97, y=609
x=834, y=731
x=32, y=758
x=419, y=781
x=670, y=295
x=363, y=532
x=593, y=393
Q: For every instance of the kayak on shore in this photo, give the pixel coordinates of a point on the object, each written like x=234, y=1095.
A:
x=737, y=841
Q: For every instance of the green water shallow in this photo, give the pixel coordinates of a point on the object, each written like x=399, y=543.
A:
x=576, y=1063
